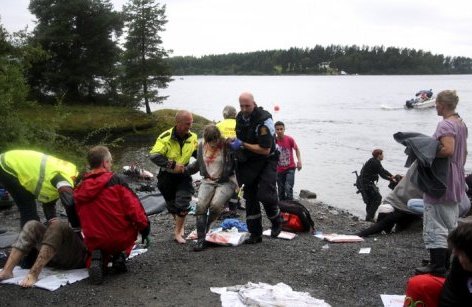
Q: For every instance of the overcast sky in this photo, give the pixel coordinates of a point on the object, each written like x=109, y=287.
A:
x=199, y=27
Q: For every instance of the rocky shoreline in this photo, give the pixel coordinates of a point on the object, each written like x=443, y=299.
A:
x=173, y=275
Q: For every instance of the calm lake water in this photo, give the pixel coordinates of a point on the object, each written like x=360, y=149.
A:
x=336, y=120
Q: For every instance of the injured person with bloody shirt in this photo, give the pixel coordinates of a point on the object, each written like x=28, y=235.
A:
x=111, y=215
x=58, y=245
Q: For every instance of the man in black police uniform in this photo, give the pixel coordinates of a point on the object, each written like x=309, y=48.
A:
x=257, y=165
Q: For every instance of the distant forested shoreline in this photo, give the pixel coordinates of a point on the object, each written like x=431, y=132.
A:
x=334, y=59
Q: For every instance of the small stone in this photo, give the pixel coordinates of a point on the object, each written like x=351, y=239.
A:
x=307, y=194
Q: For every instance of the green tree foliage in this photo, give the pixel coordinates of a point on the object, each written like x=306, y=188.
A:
x=145, y=70
x=80, y=37
x=323, y=60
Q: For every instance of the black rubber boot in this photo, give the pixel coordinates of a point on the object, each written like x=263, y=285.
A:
x=202, y=224
x=96, y=268
x=437, y=264
x=276, y=226
x=254, y=239
x=119, y=263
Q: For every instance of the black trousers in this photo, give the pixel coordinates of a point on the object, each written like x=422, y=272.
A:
x=177, y=190
x=372, y=199
x=387, y=221
x=259, y=179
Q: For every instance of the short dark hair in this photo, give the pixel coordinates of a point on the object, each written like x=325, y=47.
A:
x=97, y=155
x=376, y=153
x=279, y=123
x=461, y=239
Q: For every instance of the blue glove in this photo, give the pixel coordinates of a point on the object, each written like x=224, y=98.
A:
x=236, y=144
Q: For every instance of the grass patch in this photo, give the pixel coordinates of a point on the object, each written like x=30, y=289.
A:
x=80, y=121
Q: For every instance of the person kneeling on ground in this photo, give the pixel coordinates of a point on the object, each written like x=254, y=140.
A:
x=394, y=210
x=111, y=215
x=59, y=246
x=216, y=164
x=456, y=289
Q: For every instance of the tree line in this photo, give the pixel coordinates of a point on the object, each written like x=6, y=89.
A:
x=79, y=52
x=333, y=59
x=84, y=51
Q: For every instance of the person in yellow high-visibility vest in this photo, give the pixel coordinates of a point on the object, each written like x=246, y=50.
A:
x=172, y=152
x=30, y=175
x=227, y=126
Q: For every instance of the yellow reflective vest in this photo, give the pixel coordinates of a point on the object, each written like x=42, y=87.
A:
x=168, y=146
x=35, y=170
x=227, y=128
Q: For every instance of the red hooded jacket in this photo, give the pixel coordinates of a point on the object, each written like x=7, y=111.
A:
x=110, y=213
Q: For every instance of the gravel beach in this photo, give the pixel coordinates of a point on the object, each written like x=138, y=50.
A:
x=173, y=275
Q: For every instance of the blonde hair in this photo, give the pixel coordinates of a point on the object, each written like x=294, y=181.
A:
x=448, y=98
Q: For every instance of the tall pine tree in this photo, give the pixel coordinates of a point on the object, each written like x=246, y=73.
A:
x=145, y=70
x=80, y=38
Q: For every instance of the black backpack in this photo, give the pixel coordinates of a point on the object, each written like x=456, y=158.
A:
x=296, y=216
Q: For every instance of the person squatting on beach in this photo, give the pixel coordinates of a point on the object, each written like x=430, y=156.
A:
x=215, y=161
x=58, y=246
x=453, y=291
x=286, y=165
x=172, y=152
x=366, y=183
x=30, y=175
x=110, y=213
x=257, y=166
x=441, y=213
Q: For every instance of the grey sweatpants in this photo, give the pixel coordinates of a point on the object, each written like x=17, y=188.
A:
x=438, y=221
x=70, y=250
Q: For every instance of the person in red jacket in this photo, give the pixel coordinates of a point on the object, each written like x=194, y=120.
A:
x=111, y=215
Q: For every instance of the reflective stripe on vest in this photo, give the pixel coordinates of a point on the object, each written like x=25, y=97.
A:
x=42, y=172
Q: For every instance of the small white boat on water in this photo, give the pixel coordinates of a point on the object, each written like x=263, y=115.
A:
x=423, y=100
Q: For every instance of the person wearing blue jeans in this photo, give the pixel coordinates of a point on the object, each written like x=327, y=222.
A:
x=285, y=182
x=286, y=166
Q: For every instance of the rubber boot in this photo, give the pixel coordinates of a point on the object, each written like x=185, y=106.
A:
x=437, y=264
x=202, y=221
x=276, y=228
x=95, y=270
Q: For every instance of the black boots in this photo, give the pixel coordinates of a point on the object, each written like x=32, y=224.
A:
x=96, y=269
x=202, y=226
x=276, y=226
x=254, y=239
x=438, y=262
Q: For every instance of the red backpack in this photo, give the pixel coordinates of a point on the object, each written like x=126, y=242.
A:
x=296, y=217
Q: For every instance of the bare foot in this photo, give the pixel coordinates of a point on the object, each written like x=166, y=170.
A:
x=179, y=239
x=29, y=281
x=5, y=275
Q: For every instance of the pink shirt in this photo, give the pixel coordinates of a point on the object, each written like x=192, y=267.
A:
x=286, y=145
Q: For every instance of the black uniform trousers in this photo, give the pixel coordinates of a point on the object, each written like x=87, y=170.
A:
x=372, y=199
x=259, y=178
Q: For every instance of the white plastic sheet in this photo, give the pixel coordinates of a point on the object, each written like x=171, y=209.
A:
x=265, y=295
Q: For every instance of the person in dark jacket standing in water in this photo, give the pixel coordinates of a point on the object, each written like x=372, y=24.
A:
x=366, y=182
x=257, y=166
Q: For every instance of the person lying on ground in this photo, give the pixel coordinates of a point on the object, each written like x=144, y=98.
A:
x=456, y=289
x=30, y=175
x=58, y=245
x=111, y=215
x=366, y=183
x=215, y=161
x=394, y=210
